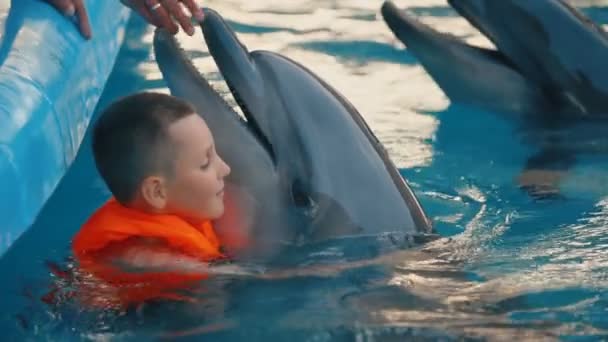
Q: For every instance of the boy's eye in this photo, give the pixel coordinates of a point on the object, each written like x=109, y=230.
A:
x=209, y=156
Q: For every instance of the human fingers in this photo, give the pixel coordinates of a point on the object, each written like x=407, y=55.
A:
x=141, y=9
x=147, y=14
x=83, y=18
x=162, y=16
x=64, y=6
x=196, y=11
x=175, y=10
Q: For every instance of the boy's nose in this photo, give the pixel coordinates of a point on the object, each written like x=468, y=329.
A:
x=224, y=168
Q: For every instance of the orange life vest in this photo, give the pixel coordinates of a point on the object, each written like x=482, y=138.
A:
x=114, y=222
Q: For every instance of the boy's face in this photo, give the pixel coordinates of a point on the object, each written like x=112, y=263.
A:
x=196, y=190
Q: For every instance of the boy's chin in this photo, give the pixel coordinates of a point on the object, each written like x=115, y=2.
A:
x=217, y=213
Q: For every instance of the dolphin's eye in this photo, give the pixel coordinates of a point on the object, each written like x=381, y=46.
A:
x=299, y=196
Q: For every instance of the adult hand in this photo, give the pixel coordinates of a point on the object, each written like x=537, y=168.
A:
x=167, y=13
x=74, y=7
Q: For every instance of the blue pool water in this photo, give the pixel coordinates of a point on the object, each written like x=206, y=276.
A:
x=509, y=266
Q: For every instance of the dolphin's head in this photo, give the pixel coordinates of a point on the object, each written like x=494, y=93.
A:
x=330, y=163
x=547, y=40
x=455, y=66
x=304, y=150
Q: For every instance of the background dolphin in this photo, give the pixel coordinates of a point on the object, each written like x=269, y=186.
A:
x=550, y=42
x=304, y=155
x=547, y=72
x=466, y=74
x=547, y=61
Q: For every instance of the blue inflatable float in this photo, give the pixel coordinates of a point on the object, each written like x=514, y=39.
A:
x=50, y=81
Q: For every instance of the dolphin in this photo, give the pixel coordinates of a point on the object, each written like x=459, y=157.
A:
x=550, y=42
x=304, y=155
x=457, y=67
x=546, y=63
x=546, y=72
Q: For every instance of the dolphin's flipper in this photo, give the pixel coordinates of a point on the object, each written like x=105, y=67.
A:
x=467, y=74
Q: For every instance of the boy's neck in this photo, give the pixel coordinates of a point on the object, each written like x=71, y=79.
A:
x=143, y=206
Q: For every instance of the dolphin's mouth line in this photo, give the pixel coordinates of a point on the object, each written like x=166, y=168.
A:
x=251, y=123
x=301, y=198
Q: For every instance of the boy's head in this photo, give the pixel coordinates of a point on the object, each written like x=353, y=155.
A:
x=155, y=153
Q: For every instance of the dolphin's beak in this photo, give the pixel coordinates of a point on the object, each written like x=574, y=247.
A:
x=407, y=28
x=468, y=8
x=239, y=71
x=397, y=22
x=234, y=62
x=473, y=11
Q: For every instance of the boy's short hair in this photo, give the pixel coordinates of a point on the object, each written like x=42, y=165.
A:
x=131, y=140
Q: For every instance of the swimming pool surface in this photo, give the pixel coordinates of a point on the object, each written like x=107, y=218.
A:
x=510, y=266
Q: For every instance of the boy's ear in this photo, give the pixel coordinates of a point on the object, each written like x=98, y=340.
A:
x=154, y=192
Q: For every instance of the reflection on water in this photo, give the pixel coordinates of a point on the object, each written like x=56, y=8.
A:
x=508, y=266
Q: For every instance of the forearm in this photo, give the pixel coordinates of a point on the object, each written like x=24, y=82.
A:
x=142, y=261
x=390, y=259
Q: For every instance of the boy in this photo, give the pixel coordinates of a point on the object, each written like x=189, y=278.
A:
x=155, y=237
